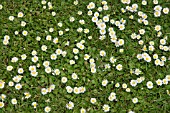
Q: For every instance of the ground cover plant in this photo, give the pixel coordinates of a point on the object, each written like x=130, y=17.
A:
x=86, y=56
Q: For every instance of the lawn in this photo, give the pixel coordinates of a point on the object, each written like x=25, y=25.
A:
x=85, y=56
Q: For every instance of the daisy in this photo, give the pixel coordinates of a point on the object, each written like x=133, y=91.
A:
x=1, y=104
x=158, y=8
x=34, y=104
x=165, y=81
x=60, y=24
x=106, y=108
x=90, y=13
x=82, y=22
x=121, y=27
x=69, y=89
x=159, y=82
x=20, y=14
x=46, y=63
x=121, y=42
x=135, y=100
x=11, y=18
x=34, y=59
x=155, y=1
x=14, y=59
x=82, y=89
x=123, y=21
x=47, y=109
x=100, y=9
x=57, y=71
x=51, y=30
x=167, y=77
x=72, y=19
x=79, y=30
x=163, y=58
x=117, y=85
x=102, y=31
x=104, y=2
x=43, y=47
x=58, y=51
x=131, y=112
x=16, y=78
x=60, y=33
x=157, y=13
x=89, y=37
x=74, y=76
x=155, y=56
x=93, y=100
x=147, y=58
x=53, y=13
x=117, y=23
x=137, y=71
x=79, y=12
x=1, y=7
x=55, y=40
x=124, y=85
x=44, y=91
x=133, y=83
x=94, y=19
x=82, y=110
x=112, y=59
x=157, y=27
x=38, y=38
x=157, y=62
x=48, y=37
x=93, y=70
x=92, y=5
x=76, y=90
x=75, y=2
x=72, y=62
x=102, y=25
x=86, y=31
x=106, y=18
x=142, y=31
x=34, y=73
x=64, y=53
x=3, y=97
x=23, y=56
x=104, y=82
x=52, y=87
x=25, y=33
x=64, y=79
x=20, y=71
x=75, y=51
x=23, y=23
x=96, y=14
x=144, y=2
x=166, y=10
x=53, y=56
x=70, y=105
x=146, y=22
x=105, y=7
x=10, y=83
x=162, y=41
x=127, y=89
x=14, y=101
x=149, y=85
x=119, y=67
x=102, y=53
x=48, y=70
x=140, y=20
x=18, y=86
x=9, y=68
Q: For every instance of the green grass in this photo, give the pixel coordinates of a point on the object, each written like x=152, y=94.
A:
x=39, y=20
